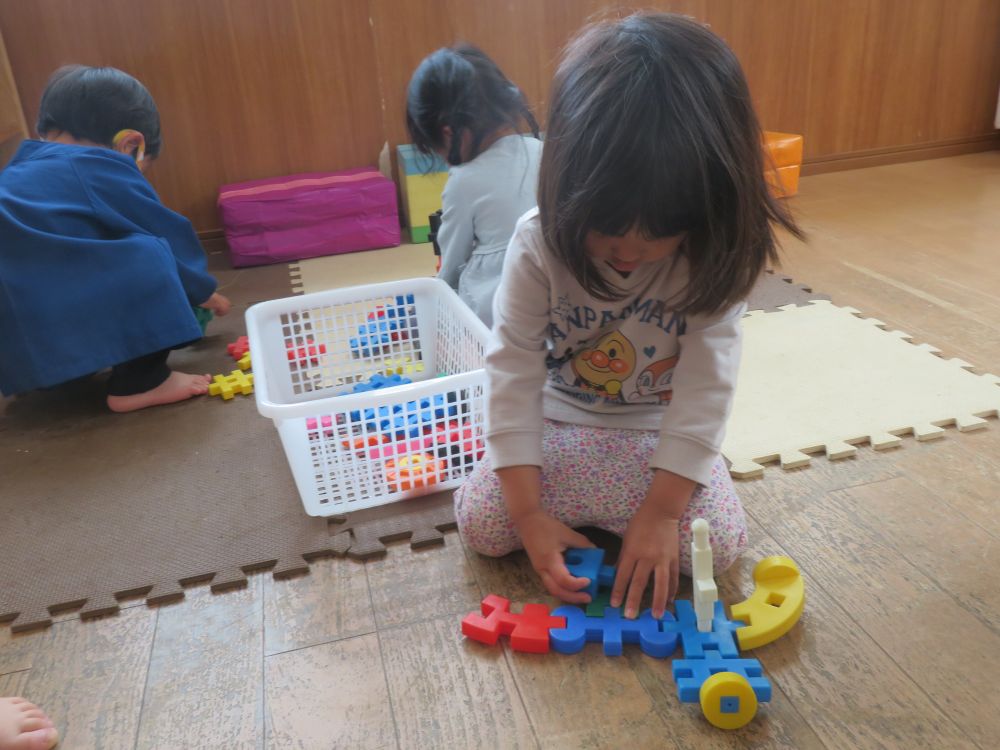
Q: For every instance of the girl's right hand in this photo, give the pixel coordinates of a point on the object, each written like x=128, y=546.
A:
x=545, y=539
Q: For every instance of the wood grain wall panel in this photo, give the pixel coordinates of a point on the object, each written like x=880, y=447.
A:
x=900, y=80
x=246, y=89
x=255, y=88
x=837, y=76
x=967, y=68
x=772, y=39
x=13, y=128
x=524, y=37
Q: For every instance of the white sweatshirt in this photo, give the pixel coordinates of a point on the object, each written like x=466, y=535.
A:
x=560, y=353
x=481, y=204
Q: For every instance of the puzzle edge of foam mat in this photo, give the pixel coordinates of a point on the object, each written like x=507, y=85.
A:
x=748, y=464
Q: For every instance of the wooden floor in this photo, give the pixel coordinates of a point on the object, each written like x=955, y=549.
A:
x=899, y=646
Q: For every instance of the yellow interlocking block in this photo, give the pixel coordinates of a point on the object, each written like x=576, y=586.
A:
x=244, y=362
x=775, y=605
x=229, y=385
x=402, y=366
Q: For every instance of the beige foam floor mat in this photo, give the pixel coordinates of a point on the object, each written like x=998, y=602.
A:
x=822, y=379
x=371, y=267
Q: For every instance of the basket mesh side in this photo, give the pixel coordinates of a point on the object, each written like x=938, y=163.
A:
x=395, y=449
x=333, y=346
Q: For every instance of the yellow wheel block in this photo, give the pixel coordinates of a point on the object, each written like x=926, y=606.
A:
x=727, y=700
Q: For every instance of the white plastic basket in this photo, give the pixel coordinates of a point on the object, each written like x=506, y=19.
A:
x=350, y=450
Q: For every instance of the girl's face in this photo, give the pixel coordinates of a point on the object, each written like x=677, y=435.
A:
x=631, y=250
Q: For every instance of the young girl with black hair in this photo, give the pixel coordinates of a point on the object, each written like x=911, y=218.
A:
x=95, y=271
x=618, y=317
x=462, y=107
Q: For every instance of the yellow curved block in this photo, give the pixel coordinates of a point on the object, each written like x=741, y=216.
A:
x=775, y=605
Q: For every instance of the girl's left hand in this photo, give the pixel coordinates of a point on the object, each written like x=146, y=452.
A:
x=651, y=546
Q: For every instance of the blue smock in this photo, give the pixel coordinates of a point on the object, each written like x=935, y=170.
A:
x=94, y=269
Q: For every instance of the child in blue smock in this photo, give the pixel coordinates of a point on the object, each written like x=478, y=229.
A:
x=95, y=271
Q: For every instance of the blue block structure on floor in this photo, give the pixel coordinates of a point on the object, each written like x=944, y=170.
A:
x=695, y=643
x=690, y=674
x=612, y=630
x=588, y=562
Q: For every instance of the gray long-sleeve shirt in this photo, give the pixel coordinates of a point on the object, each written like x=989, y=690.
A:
x=481, y=204
x=559, y=352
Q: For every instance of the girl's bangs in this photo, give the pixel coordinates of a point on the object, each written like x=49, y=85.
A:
x=660, y=203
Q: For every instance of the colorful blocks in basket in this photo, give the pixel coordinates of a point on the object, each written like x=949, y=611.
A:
x=309, y=351
x=690, y=674
x=412, y=471
x=229, y=385
x=238, y=348
x=612, y=630
x=365, y=441
x=312, y=425
x=528, y=630
x=378, y=381
x=400, y=447
x=458, y=442
x=402, y=366
x=589, y=563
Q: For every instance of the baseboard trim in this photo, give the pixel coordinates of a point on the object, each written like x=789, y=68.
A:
x=899, y=154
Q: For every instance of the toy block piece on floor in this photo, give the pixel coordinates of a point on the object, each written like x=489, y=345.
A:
x=784, y=151
x=244, y=362
x=704, y=591
x=528, y=631
x=612, y=630
x=229, y=385
x=238, y=348
x=597, y=605
x=588, y=562
x=775, y=605
x=696, y=644
x=689, y=674
x=783, y=181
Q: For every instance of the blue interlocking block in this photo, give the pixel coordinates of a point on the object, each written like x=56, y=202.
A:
x=587, y=562
x=695, y=643
x=612, y=630
x=690, y=674
x=378, y=381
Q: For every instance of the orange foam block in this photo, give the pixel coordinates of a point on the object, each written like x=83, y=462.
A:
x=784, y=154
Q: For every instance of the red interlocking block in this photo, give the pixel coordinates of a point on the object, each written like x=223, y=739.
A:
x=299, y=354
x=238, y=348
x=528, y=631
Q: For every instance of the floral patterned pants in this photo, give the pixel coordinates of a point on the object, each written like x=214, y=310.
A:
x=593, y=476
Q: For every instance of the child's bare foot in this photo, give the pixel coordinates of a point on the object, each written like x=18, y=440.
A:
x=178, y=387
x=24, y=726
